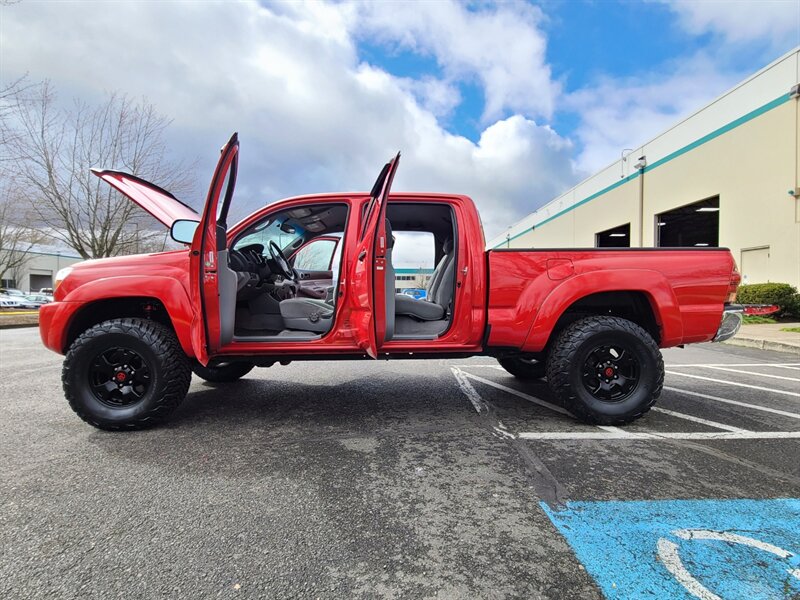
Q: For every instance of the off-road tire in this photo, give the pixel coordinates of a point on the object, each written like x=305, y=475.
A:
x=223, y=373
x=157, y=345
x=522, y=368
x=573, y=346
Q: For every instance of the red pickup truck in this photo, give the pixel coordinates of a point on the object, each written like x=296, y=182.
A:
x=312, y=278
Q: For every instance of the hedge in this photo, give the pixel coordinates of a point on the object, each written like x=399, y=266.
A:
x=782, y=294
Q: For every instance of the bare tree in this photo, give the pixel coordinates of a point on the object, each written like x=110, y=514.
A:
x=53, y=149
x=17, y=238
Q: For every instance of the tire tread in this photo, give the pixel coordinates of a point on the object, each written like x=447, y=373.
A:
x=565, y=348
x=175, y=370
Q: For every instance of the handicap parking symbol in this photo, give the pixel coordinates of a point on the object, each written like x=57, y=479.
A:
x=707, y=549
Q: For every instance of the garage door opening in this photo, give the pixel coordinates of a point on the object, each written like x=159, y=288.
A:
x=39, y=281
x=695, y=224
x=618, y=237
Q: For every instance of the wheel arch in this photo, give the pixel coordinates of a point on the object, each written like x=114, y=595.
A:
x=650, y=303
x=161, y=299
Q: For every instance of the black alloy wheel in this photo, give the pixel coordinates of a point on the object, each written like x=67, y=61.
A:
x=611, y=372
x=605, y=370
x=125, y=373
x=119, y=377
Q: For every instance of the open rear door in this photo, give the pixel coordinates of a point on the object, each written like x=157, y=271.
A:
x=213, y=282
x=367, y=289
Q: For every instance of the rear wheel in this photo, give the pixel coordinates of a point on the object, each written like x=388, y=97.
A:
x=523, y=368
x=125, y=374
x=606, y=370
x=223, y=372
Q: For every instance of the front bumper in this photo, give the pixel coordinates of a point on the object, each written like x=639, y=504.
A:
x=54, y=320
x=731, y=322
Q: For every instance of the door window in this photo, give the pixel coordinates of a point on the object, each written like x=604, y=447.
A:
x=317, y=255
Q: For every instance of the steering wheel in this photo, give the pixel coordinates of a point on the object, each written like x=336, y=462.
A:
x=280, y=260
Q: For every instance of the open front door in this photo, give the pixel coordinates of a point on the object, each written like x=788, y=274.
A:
x=367, y=273
x=213, y=282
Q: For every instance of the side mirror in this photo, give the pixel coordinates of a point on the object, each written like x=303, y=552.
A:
x=183, y=230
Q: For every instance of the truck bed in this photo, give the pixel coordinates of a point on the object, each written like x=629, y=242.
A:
x=683, y=289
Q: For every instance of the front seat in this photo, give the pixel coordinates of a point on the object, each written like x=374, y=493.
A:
x=308, y=314
x=439, y=291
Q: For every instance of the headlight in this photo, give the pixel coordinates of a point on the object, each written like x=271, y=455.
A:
x=61, y=276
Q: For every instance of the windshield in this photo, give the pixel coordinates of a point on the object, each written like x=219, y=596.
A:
x=275, y=230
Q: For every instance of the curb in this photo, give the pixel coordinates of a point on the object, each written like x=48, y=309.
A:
x=762, y=344
x=17, y=325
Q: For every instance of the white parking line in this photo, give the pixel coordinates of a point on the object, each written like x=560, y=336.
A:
x=744, y=385
x=469, y=391
x=519, y=394
x=613, y=433
x=616, y=433
x=774, y=411
x=763, y=364
x=739, y=371
x=694, y=419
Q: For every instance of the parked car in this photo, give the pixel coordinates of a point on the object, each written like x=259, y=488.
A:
x=46, y=291
x=12, y=292
x=133, y=328
x=7, y=301
x=416, y=293
x=35, y=300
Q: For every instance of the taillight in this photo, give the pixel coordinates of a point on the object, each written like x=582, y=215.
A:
x=736, y=279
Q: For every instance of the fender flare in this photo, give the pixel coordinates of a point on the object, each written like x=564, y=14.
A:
x=652, y=284
x=167, y=290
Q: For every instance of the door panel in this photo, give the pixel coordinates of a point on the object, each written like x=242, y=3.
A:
x=314, y=284
x=213, y=281
x=755, y=265
x=313, y=263
x=366, y=298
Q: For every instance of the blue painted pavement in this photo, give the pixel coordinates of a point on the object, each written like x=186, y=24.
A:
x=708, y=549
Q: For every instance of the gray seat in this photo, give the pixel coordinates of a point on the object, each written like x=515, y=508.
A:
x=439, y=291
x=307, y=314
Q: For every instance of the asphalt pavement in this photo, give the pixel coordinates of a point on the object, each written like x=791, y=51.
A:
x=405, y=479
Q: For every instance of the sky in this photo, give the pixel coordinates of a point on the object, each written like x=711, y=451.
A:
x=510, y=103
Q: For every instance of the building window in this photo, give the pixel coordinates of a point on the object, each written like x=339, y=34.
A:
x=695, y=224
x=618, y=237
x=8, y=283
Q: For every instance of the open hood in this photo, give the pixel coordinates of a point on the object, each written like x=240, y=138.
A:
x=158, y=202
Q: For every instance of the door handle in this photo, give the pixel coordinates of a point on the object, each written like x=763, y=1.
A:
x=362, y=256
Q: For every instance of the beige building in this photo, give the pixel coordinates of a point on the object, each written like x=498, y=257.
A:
x=40, y=268
x=725, y=176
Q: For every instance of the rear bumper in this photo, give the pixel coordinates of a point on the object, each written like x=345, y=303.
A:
x=731, y=322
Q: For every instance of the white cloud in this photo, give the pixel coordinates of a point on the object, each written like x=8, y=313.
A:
x=311, y=117
x=501, y=46
x=774, y=21
x=619, y=113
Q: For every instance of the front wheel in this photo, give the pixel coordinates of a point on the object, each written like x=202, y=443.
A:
x=125, y=374
x=223, y=372
x=606, y=370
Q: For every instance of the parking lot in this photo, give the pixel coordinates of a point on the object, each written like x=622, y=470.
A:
x=418, y=479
